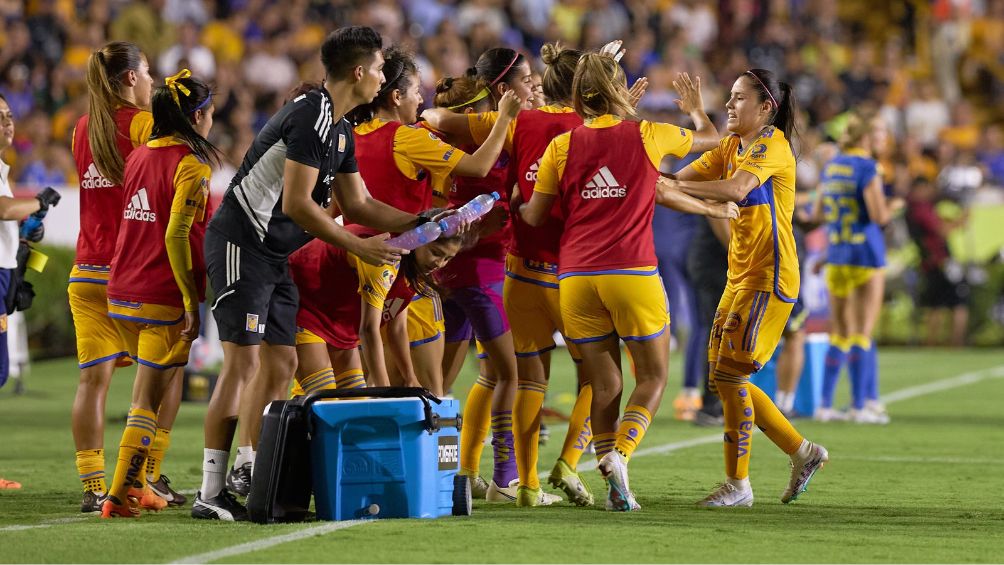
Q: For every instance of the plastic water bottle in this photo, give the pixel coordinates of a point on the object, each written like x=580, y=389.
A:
x=471, y=211
x=416, y=237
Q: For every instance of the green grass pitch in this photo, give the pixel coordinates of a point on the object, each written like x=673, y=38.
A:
x=926, y=488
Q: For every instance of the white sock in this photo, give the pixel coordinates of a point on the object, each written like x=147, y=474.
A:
x=691, y=392
x=214, y=472
x=785, y=401
x=740, y=484
x=803, y=450
x=245, y=454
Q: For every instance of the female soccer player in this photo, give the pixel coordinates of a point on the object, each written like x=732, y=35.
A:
x=756, y=168
x=401, y=163
x=854, y=207
x=343, y=303
x=608, y=281
x=119, y=87
x=158, y=271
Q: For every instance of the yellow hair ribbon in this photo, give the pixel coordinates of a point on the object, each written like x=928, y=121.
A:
x=479, y=96
x=173, y=83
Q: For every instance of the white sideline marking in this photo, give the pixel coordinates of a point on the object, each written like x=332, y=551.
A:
x=269, y=542
x=45, y=524
x=925, y=460
x=896, y=396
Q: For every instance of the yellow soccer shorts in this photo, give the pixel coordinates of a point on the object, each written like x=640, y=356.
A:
x=306, y=337
x=627, y=303
x=531, y=298
x=841, y=280
x=98, y=338
x=425, y=320
x=746, y=329
x=151, y=333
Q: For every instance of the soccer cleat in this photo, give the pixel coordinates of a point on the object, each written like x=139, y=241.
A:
x=868, y=416
x=566, y=479
x=92, y=501
x=526, y=496
x=148, y=500
x=162, y=488
x=9, y=485
x=829, y=415
x=728, y=494
x=613, y=467
x=809, y=458
x=502, y=494
x=479, y=487
x=223, y=506
x=239, y=479
x=685, y=406
x=114, y=508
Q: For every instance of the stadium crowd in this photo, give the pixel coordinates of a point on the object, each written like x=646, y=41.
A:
x=254, y=51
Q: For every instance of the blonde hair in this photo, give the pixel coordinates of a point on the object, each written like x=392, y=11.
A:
x=105, y=68
x=859, y=125
x=559, y=72
x=600, y=87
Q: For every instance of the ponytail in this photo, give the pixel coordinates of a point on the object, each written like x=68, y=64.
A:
x=174, y=106
x=782, y=100
x=600, y=87
x=459, y=93
x=399, y=69
x=559, y=71
x=105, y=68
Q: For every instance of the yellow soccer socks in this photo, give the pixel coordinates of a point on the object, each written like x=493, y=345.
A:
x=477, y=412
x=580, y=433
x=91, y=468
x=632, y=429
x=139, y=434
x=156, y=456
x=526, y=430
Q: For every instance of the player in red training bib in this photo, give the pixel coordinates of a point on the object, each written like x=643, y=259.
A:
x=119, y=87
x=609, y=287
x=401, y=163
x=343, y=304
x=158, y=272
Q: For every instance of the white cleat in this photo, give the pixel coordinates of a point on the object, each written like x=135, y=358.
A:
x=502, y=494
x=809, y=458
x=866, y=416
x=479, y=487
x=613, y=467
x=730, y=493
x=829, y=415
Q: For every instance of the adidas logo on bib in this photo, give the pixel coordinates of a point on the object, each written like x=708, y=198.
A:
x=93, y=179
x=604, y=185
x=531, y=175
x=139, y=208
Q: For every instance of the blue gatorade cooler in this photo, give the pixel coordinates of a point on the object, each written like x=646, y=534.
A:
x=387, y=457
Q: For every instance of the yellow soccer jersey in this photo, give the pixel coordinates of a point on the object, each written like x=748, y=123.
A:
x=481, y=127
x=374, y=280
x=762, y=252
x=416, y=149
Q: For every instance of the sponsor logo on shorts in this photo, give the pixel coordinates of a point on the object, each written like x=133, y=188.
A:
x=604, y=185
x=732, y=322
x=252, y=325
x=449, y=453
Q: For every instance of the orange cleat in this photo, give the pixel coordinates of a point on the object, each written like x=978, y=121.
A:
x=113, y=508
x=685, y=407
x=148, y=500
x=5, y=484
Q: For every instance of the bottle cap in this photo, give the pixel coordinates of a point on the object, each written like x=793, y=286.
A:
x=443, y=226
x=495, y=195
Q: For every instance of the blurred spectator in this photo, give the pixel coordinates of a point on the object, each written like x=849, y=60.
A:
x=17, y=91
x=942, y=289
x=142, y=23
x=963, y=132
x=991, y=154
x=926, y=115
x=188, y=53
x=180, y=11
